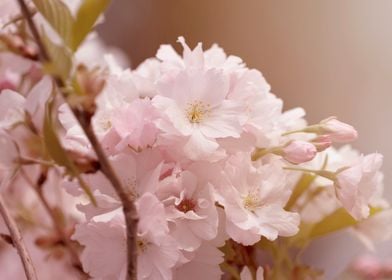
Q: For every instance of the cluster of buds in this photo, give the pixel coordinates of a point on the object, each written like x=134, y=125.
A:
x=328, y=131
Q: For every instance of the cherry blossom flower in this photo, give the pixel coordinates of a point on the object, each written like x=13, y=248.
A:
x=190, y=210
x=204, y=264
x=356, y=185
x=254, y=199
x=157, y=251
x=135, y=125
x=202, y=115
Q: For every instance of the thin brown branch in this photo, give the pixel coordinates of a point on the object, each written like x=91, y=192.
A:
x=17, y=239
x=27, y=15
x=84, y=119
x=129, y=209
x=58, y=227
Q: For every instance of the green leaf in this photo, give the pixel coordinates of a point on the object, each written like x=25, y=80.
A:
x=52, y=143
x=86, y=17
x=338, y=220
x=57, y=152
x=60, y=58
x=58, y=16
x=302, y=185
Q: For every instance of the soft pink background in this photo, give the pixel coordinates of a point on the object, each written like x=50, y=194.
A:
x=330, y=57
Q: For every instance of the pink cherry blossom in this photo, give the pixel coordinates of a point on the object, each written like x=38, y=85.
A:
x=204, y=264
x=157, y=251
x=253, y=199
x=179, y=132
x=356, y=185
x=198, y=117
x=190, y=209
x=135, y=125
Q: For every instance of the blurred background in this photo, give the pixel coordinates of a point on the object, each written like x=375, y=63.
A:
x=329, y=57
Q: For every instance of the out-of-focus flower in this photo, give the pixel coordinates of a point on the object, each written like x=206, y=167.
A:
x=356, y=185
x=376, y=228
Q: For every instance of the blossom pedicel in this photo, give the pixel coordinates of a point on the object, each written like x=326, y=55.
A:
x=224, y=183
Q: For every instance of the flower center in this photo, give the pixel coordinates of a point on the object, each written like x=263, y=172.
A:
x=197, y=111
x=252, y=201
x=186, y=205
x=142, y=245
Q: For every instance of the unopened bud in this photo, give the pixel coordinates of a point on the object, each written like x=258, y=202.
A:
x=338, y=131
x=322, y=142
x=299, y=151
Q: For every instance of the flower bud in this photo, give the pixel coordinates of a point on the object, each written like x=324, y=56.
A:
x=298, y=152
x=322, y=142
x=7, y=84
x=338, y=131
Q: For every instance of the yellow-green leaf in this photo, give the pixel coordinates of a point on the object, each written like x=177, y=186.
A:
x=87, y=15
x=338, y=220
x=60, y=58
x=58, y=16
x=302, y=185
x=52, y=143
x=57, y=152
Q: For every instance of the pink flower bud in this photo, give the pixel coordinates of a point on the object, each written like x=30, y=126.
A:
x=299, y=151
x=7, y=84
x=338, y=131
x=322, y=142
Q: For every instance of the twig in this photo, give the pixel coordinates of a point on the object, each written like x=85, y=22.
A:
x=84, y=119
x=60, y=231
x=17, y=239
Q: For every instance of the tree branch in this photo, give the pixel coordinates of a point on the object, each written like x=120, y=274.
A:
x=59, y=228
x=84, y=119
x=17, y=239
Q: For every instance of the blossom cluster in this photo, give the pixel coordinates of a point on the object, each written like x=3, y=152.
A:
x=204, y=149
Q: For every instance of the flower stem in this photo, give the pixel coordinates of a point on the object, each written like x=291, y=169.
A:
x=323, y=173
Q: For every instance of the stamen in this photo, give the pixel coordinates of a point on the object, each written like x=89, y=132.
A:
x=252, y=201
x=197, y=111
x=186, y=205
x=142, y=245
